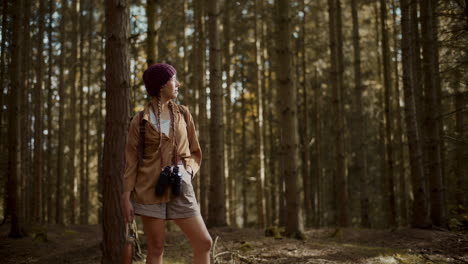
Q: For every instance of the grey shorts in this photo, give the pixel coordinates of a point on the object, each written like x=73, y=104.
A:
x=183, y=206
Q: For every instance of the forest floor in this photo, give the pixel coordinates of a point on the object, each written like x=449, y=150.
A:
x=81, y=244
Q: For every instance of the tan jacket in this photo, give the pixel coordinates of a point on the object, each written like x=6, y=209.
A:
x=141, y=180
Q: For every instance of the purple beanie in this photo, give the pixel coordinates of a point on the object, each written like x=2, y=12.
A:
x=156, y=76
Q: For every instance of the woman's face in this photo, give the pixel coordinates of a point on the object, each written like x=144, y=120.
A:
x=171, y=89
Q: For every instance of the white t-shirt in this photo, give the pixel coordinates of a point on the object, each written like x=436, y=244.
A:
x=165, y=124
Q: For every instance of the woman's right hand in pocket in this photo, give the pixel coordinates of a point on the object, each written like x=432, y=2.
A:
x=128, y=212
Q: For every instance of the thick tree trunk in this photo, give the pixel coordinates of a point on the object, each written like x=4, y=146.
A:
x=431, y=122
x=287, y=112
x=12, y=169
x=217, y=209
x=336, y=71
x=117, y=116
x=420, y=212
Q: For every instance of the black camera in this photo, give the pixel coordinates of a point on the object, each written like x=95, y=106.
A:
x=169, y=176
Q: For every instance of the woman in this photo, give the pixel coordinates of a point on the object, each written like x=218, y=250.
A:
x=169, y=140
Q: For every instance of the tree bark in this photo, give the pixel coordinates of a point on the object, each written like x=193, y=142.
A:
x=260, y=176
x=117, y=116
x=217, y=209
x=400, y=166
x=431, y=122
x=360, y=132
x=152, y=33
x=420, y=212
x=287, y=112
x=51, y=182
x=12, y=169
x=200, y=88
x=82, y=129
x=26, y=194
x=305, y=150
x=71, y=172
x=318, y=152
x=59, y=215
x=336, y=71
x=460, y=166
x=390, y=182
x=38, y=134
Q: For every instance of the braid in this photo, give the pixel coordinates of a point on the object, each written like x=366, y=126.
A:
x=172, y=118
x=159, y=115
x=174, y=139
x=158, y=125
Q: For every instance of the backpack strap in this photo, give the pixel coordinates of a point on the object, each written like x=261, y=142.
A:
x=141, y=138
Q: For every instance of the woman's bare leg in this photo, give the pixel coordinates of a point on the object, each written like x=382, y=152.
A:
x=195, y=230
x=155, y=235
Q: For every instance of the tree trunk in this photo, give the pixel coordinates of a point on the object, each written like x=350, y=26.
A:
x=72, y=119
x=420, y=212
x=117, y=116
x=336, y=71
x=242, y=156
x=217, y=209
x=59, y=215
x=318, y=151
x=305, y=150
x=52, y=179
x=260, y=176
x=12, y=171
x=402, y=189
x=6, y=37
x=202, y=118
x=230, y=161
x=431, y=122
x=90, y=102
x=460, y=165
x=82, y=134
x=360, y=132
x=151, y=12
x=287, y=112
x=26, y=195
x=187, y=98
x=38, y=135
x=390, y=182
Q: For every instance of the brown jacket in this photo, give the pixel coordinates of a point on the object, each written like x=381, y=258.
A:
x=141, y=180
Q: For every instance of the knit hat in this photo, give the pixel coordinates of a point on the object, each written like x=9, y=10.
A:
x=156, y=76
